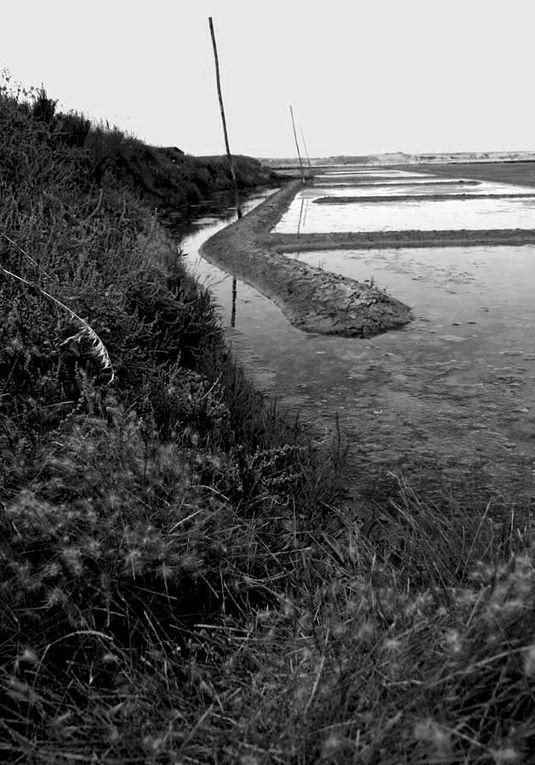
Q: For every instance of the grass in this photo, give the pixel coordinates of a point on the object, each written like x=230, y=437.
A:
x=182, y=577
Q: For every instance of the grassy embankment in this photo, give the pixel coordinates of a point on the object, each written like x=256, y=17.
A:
x=181, y=581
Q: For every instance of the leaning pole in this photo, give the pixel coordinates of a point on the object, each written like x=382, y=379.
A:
x=297, y=147
x=224, y=121
x=305, y=147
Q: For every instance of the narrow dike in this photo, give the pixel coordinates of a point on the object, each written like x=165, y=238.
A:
x=381, y=240
x=312, y=299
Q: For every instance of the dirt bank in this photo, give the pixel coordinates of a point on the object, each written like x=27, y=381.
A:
x=312, y=299
x=350, y=200
x=369, y=240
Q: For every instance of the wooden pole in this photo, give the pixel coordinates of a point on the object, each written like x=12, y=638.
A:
x=223, y=120
x=297, y=146
x=306, y=150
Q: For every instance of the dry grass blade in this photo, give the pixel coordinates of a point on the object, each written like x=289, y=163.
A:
x=35, y=263
x=99, y=349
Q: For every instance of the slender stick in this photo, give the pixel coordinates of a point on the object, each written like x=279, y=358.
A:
x=223, y=120
x=306, y=150
x=297, y=146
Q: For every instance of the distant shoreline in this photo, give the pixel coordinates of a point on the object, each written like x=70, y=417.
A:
x=400, y=158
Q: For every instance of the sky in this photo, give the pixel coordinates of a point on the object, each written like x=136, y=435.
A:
x=363, y=76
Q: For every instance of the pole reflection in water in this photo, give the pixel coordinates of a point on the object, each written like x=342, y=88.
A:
x=233, y=306
x=300, y=216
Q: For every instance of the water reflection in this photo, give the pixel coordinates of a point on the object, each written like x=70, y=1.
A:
x=411, y=214
x=302, y=214
x=222, y=286
x=395, y=200
x=233, y=306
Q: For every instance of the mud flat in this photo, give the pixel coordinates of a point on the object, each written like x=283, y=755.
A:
x=312, y=299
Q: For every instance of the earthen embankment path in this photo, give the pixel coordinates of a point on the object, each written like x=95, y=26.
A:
x=369, y=240
x=314, y=300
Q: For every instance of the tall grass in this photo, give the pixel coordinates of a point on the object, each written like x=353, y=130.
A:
x=183, y=579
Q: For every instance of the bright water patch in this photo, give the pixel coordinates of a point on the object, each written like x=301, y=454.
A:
x=422, y=189
x=393, y=182
x=348, y=170
x=409, y=215
x=370, y=180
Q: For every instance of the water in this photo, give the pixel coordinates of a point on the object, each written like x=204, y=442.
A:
x=452, y=392
x=379, y=189
x=406, y=207
x=408, y=215
x=349, y=172
x=471, y=284
x=244, y=307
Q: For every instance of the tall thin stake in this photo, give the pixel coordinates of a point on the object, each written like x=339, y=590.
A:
x=305, y=147
x=297, y=146
x=223, y=120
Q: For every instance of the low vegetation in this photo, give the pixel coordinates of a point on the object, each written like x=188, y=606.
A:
x=182, y=578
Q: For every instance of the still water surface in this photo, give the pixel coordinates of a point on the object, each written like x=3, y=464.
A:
x=457, y=385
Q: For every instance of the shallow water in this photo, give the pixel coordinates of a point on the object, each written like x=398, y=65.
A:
x=375, y=180
x=420, y=214
x=348, y=172
x=442, y=282
x=422, y=188
x=452, y=392
x=220, y=283
x=410, y=215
